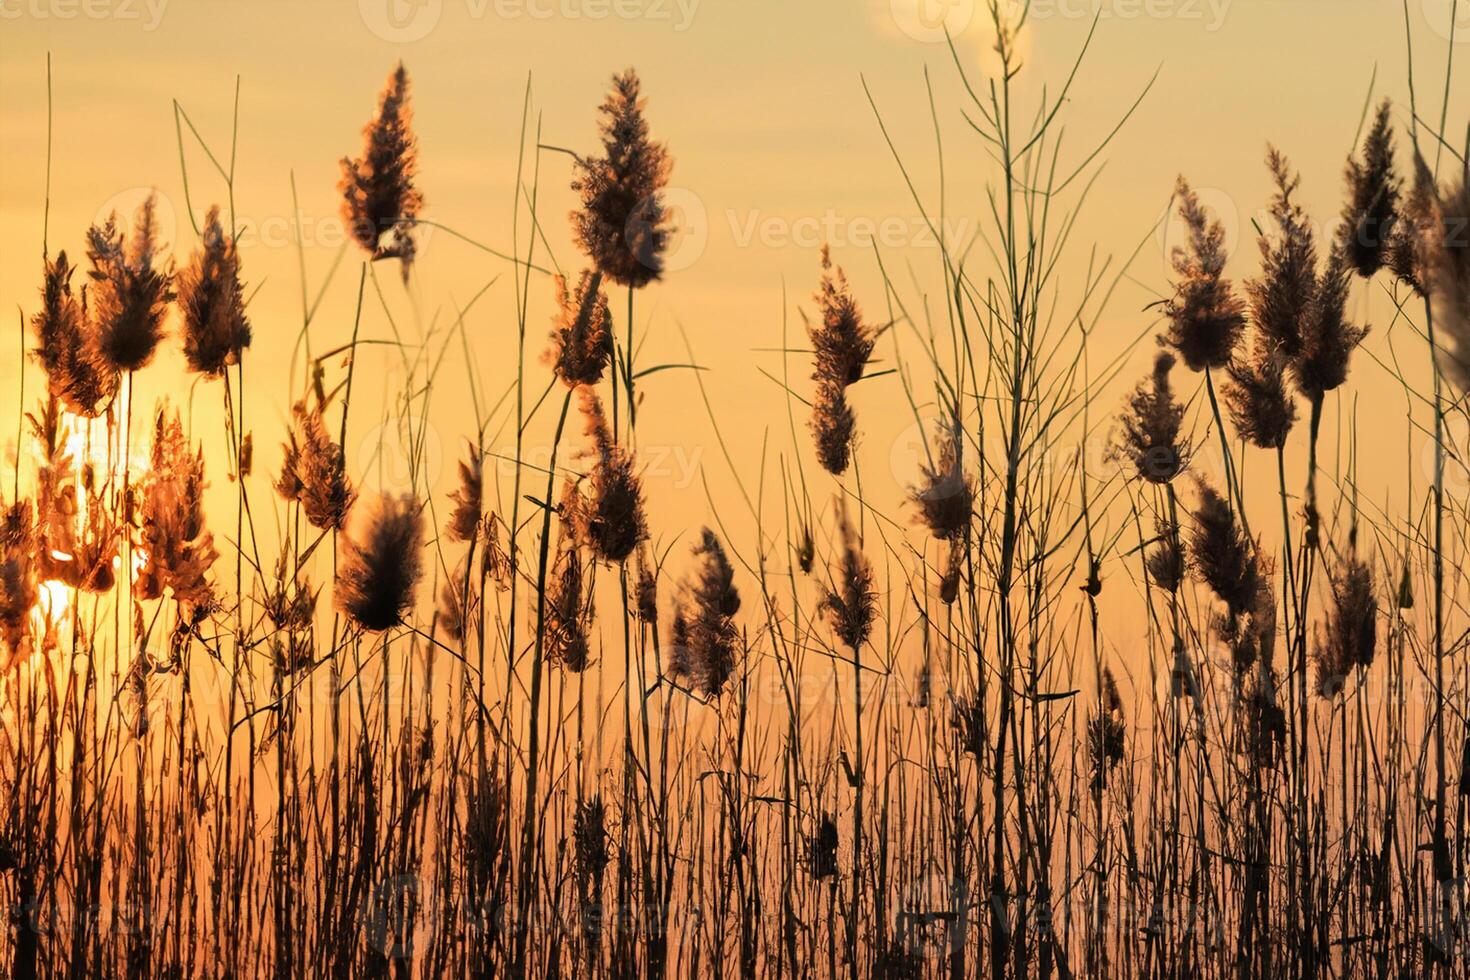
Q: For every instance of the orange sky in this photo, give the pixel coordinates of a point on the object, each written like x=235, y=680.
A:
x=776, y=149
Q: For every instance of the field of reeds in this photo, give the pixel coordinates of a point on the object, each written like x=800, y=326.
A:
x=326, y=726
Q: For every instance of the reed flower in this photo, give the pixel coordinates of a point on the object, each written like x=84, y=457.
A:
x=1165, y=560
x=611, y=521
x=1373, y=196
x=833, y=427
x=451, y=613
x=1411, y=247
x=1352, y=627
x=1106, y=732
x=623, y=226
x=1265, y=721
x=589, y=834
x=1449, y=281
x=66, y=345
x=465, y=519
x=17, y=581
x=568, y=610
x=581, y=335
x=1259, y=402
x=77, y=531
x=212, y=303
x=380, y=202
x=379, y=562
x=1222, y=555
x=1205, y=316
x=822, y=848
x=968, y=722
x=1282, y=297
x=314, y=473
x=1328, y=339
x=1152, y=424
x=645, y=604
x=849, y=602
x=841, y=344
x=177, y=546
x=130, y=290
x=705, y=641
x=945, y=496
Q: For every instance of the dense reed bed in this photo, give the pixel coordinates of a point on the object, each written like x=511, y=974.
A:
x=528, y=729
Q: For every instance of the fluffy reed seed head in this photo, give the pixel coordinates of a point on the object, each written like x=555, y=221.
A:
x=833, y=427
x=850, y=601
x=704, y=640
x=379, y=561
x=1328, y=339
x=18, y=591
x=66, y=345
x=623, y=226
x=610, y=521
x=1411, y=248
x=1165, y=560
x=1205, y=316
x=841, y=345
x=1107, y=732
x=581, y=333
x=314, y=472
x=1282, y=296
x=945, y=495
x=177, y=545
x=464, y=521
x=569, y=607
x=1258, y=399
x=212, y=303
x=1222, y=556
x=1352, y=627
x=1449, y=280
x=380, y=202
x=1373, y=187
x=130, y=290
x=822, y=848
x=1152, y=426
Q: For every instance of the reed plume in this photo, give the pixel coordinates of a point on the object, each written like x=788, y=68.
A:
x=1107, y=732
x=379, y=562
x=77, y=532
x=177, y=547
x=1371, y=212
x=1205, y=316
x=569, y=607
x=130, y=291
x=1258, y=399
x=581, y=334
x=314, y=472
x=610, y=521
x=66, y=345
x=1221, y=554
x=1282, y=296
x=841, y=345
x=1328, y=339
x=1166, y=560
x=849, y=602
x=1449, y=280
x=645, y=596
x=380, y=202
x=822, y=846
x=17, y=581
x=1411, y=249
x=705, y=641
x=464, y=521
x=1352, y=627
x=212, y=303
x=945, y=494
x=1152, y=424
x=623, y=226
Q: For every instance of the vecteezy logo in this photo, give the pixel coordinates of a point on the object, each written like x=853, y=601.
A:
x=1450, y=19
x=401, y=21
x=930, y=20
